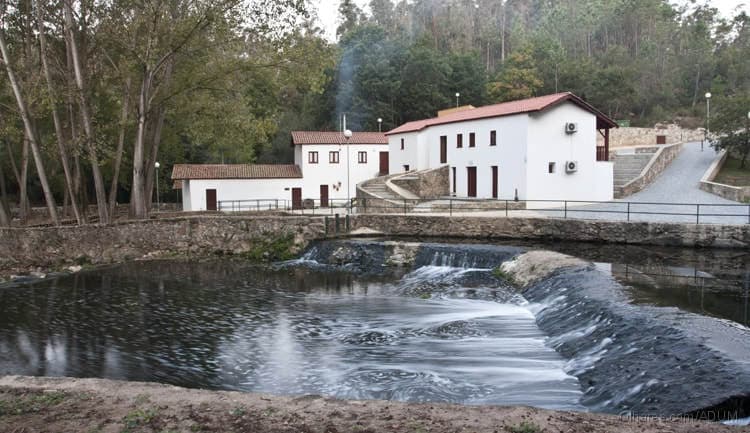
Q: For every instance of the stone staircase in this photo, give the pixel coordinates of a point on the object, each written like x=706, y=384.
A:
x=378, y=187
x=628, y=166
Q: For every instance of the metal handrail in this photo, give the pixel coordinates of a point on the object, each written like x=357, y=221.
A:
x=452, y=205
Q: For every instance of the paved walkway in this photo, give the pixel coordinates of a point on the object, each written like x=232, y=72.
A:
x=677, y=184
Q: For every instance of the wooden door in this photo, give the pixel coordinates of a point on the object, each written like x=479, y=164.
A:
x=471, y=178
x=323, y=195
x=443, y=149
x=210, y=199
x=494, y=181
x=383, y=163
x=296, y=198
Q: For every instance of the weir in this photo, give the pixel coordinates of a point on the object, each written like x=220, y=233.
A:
x=628, y=359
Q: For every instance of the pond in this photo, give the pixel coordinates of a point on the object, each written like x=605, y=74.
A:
x=444, y=330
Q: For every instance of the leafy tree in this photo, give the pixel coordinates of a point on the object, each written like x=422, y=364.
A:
x=518, y=79
x=732, y=126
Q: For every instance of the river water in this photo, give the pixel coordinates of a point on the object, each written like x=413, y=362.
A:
x=446, y=330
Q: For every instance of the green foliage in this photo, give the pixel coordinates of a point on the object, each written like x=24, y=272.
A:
x=525, y=427
x=270, y=249
x=732, y=125
x=500, y=273
x=518, y=79
x=138, y=417
x=31, y=403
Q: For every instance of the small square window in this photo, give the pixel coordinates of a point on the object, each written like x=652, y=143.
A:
x=551, y=167
x=333, y=157
x=362, y=157
x=312, y=157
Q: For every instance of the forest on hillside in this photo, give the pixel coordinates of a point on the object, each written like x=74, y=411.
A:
x=93, y=93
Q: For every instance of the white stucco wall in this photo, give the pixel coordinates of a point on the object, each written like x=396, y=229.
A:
x=186, y=198
x=334, y=175
x=548, y=142
x=526, y=144
x=409, y=155
x=194, y=197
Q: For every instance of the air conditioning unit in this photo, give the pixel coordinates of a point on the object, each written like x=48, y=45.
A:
x=571, y=128
x=571, y=166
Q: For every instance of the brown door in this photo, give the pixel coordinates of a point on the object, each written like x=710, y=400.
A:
x=383, y=163
x=494, y=181
x=323, y=195
x=471, y=177
x=210, y=199
x=443, y=149
x=296, y=198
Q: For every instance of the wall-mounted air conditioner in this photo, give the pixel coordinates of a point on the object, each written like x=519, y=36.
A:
x=571, y=166
x=571, y=128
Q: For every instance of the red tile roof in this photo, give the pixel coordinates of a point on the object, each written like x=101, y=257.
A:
x=327, y=137
x=236, y=171
x=506, y=109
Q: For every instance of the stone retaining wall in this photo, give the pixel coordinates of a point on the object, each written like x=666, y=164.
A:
x=630, y=136
x=50, y=248
x=426, y=184
x=645, y=233
x=661, y=159
x=55, y=247
x=729, y=192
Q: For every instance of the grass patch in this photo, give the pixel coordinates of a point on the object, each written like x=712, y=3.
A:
x=524, y=427
x=137, y=418
x=732, y=174
x=270, y=249
x=500, y=273
x=31, y=403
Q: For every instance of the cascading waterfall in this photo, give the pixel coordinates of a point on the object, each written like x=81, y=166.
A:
x=628, y=359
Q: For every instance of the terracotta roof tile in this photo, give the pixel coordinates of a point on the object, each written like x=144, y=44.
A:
x=236, y=171
x=504, y=109
x=327, y=137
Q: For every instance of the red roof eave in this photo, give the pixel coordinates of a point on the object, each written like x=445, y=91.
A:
x=507, y=109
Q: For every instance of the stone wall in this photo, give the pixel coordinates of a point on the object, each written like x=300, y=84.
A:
x=56, y=247
x=644, y=233
x=433, y=183
x=661, y=159
x=729, y=192
x=625, y=137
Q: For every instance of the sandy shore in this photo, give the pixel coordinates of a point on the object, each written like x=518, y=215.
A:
x=37, y=404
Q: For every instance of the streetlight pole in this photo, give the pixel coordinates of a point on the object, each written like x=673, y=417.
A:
x=380, y=124
x=457, y=95
x=156, y=166
x=707, y=131
x=348, y=135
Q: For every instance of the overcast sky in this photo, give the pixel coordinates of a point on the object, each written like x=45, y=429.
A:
x=328, y=11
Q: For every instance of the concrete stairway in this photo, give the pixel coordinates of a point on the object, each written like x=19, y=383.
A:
x=377, y=186
x=628, y=166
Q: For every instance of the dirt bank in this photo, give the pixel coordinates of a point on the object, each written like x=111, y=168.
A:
x=29, y=404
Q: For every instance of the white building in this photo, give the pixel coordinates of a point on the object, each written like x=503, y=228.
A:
x=326, y=169
x=540, y=148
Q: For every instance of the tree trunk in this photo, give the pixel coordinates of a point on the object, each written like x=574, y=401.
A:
x=30, y=133
x=120, y=147
x=62, y=148
x=5, y=217
x=150, y=167
x=138, y=193
x=88, y=128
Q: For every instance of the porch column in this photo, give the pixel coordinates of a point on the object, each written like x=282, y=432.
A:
x=606, y=144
